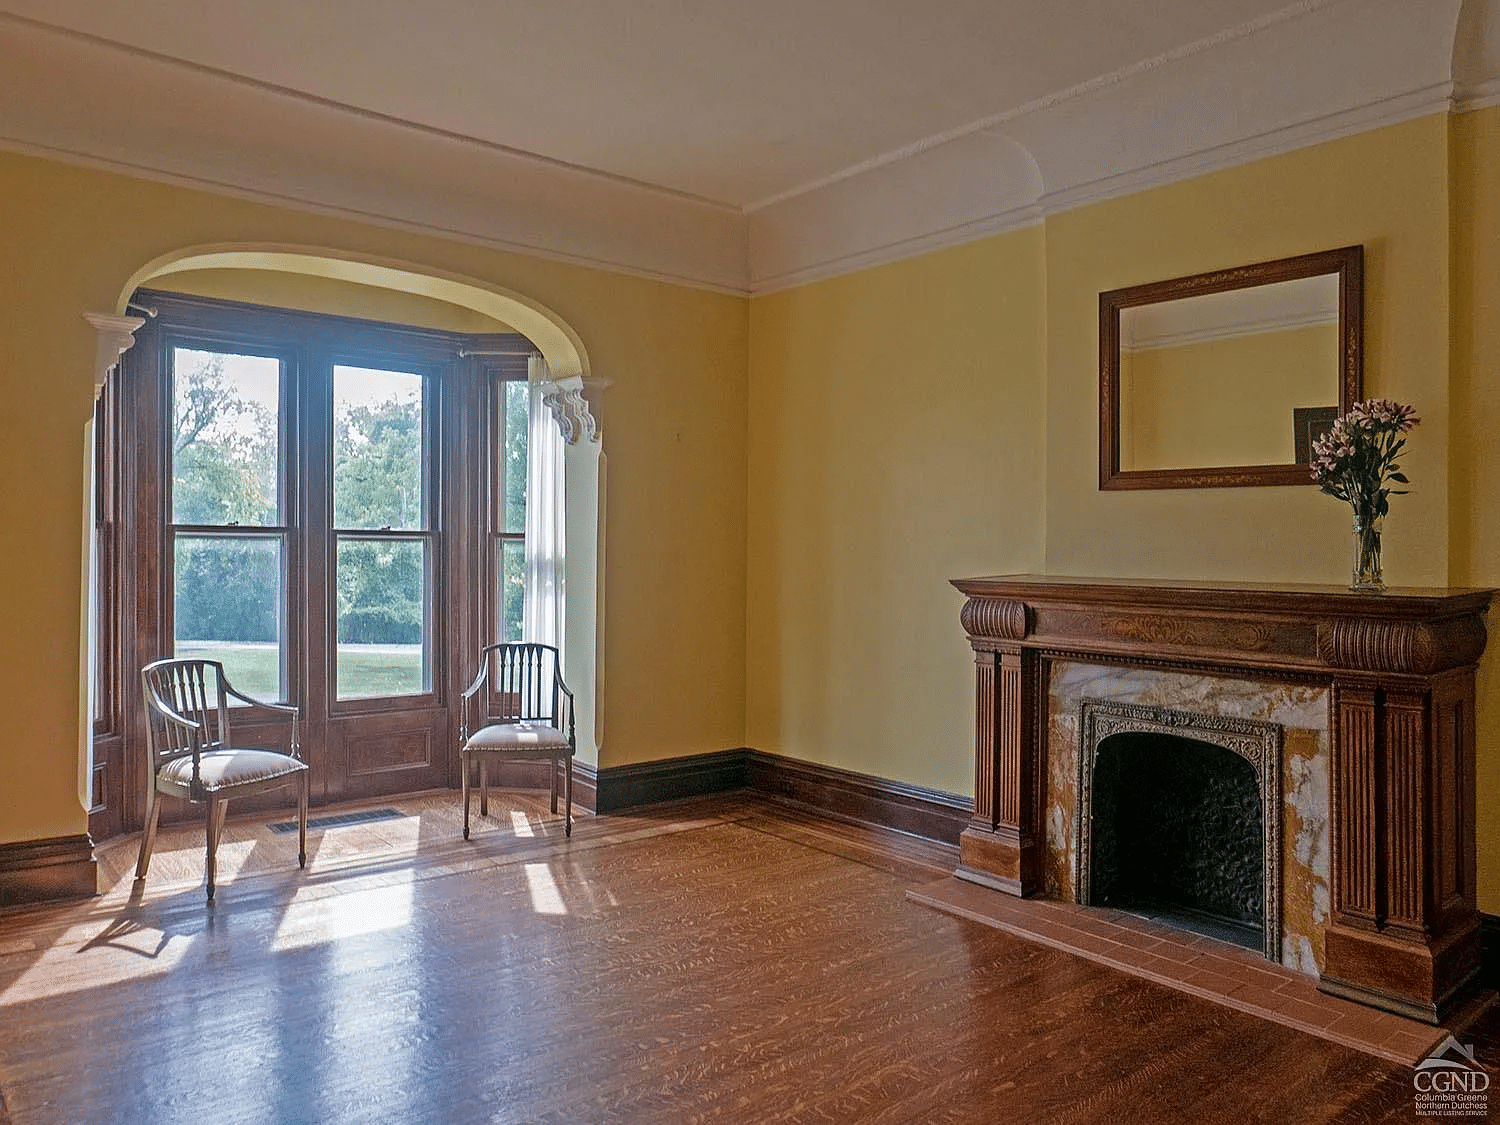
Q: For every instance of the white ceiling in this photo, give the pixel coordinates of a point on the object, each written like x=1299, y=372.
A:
x=730, y=100
x=735, y=133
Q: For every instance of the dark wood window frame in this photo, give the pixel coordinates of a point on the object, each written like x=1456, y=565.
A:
x=362, y=746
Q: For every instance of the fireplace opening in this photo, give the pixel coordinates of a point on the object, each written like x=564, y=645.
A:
x=1178, y=834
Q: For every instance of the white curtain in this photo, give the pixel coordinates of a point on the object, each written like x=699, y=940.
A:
x=542, y=610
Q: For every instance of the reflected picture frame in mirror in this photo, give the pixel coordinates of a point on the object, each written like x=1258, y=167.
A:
x=1153, y=304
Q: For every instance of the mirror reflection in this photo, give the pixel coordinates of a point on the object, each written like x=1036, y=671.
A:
x=1223, y=378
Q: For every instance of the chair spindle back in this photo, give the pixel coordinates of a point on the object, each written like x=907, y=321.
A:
x=523, y=683
x=192, y=690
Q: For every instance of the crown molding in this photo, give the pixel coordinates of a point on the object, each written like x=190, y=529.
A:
x=199, y=128
x=1361, y=119
x=1482, y=95
x=335, y=211
x=1343, y=68
x=1312, y=72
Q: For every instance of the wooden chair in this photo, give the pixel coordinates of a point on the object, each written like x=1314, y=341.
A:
x=194, y=757
x=518, y=709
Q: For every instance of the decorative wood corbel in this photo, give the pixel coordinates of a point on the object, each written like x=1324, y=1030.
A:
x=571, y=410
x=116, y=336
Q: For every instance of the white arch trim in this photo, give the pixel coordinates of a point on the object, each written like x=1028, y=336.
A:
x=558, y=343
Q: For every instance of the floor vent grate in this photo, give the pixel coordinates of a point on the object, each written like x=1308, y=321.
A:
x=340, y=820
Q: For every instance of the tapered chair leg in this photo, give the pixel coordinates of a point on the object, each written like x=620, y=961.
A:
x=568, y=825
x=211, y=822
x=302, y=820
x=463, y=766
x=553, y=771
x=148, y=838
x=484, y=787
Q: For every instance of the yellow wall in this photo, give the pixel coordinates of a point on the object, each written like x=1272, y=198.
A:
x=792, y=480
x=1474, y=520
x=1386, y=189
x=673, y=423
x=908, y=424
x=896, y=423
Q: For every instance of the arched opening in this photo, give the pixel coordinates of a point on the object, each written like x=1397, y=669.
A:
x=567, y=364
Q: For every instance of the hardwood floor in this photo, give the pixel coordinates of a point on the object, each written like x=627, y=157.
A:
x=711, y=960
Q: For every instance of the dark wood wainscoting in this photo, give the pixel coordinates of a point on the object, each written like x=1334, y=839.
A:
x=43, y=870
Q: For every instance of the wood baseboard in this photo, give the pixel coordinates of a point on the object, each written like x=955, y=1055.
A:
x=862, y=798
x=928, y=813
x=918, y=811
x=62, y=867
x=646, y=783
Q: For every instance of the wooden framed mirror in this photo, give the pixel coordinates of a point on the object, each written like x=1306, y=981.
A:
x=1224, y=379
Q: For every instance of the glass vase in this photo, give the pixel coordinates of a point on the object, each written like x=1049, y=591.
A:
x=1367, y=555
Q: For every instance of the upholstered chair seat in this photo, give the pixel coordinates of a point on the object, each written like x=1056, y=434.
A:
x=227, y=769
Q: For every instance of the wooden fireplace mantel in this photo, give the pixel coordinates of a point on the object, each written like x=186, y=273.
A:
x=1403, y=931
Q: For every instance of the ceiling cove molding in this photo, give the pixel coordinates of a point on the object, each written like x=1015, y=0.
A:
x=1342, y=68
x=995, y=121
x=1476, y=56
x=1362, y=119
x=1315, y=71
x=976, y=185
x=198, y=128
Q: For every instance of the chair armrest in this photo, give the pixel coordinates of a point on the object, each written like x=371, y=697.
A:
x=568, y=694
x=281, y=708
x=468, y=694
x=479, y=677
x=284, y=708
x=173, y=717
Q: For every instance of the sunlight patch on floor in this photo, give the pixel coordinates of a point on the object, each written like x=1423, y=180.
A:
x=315, y=917
x=546, y=896
x=89, y=955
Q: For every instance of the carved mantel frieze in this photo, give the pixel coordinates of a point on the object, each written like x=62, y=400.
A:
x=1403, y=931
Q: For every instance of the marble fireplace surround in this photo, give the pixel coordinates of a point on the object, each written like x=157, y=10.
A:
x=1375, y=695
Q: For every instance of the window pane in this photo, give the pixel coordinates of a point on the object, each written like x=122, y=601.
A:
x=382, y=617
x=378, y=450
x=512, y=579
x=228, y=607
x=513, y=466
x=226, y=438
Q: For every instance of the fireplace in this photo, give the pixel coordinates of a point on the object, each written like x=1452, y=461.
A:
x=1179, y=819
x=1374, y=790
